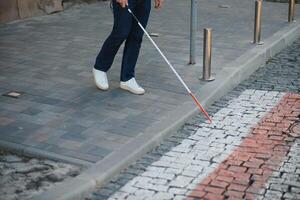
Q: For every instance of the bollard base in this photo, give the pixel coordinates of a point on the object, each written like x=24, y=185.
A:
x=258, y=43
x=208, y=79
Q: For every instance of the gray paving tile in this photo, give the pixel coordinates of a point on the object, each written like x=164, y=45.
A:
x=74, y=136
x=96, y=150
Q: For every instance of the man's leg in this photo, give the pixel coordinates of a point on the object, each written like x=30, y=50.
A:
x=134, y=40
x=121, y=30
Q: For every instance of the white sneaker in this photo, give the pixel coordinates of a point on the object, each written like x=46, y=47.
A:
x=100, y=79
x=132, y=86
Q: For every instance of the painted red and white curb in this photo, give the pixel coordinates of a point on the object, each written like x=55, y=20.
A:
x=233, y=157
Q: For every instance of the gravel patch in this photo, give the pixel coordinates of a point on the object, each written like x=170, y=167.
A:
x=22, y=177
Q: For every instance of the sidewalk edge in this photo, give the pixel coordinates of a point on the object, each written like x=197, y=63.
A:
x=32, y=151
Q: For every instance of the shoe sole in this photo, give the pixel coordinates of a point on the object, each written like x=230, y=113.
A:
x=100, y=88
x=130, y=90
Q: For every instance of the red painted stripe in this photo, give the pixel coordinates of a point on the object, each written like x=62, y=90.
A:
x=249, y=166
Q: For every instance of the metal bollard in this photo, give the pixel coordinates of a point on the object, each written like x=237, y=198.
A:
x=207, y=48
x=257, y=22
x=292, y=11
x=193, y=31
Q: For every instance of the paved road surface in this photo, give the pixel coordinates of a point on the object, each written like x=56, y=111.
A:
x=250, y=151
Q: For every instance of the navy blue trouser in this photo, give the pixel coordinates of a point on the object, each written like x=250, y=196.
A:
x=125, y=28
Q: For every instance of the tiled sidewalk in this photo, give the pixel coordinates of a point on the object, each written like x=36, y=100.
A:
x=49, y=58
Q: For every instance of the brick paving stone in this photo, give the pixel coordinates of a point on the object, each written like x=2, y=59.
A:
x=181, y=181
x=177, y=191
x=163, y=196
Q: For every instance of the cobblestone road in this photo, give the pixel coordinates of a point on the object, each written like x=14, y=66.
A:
x=250, y=151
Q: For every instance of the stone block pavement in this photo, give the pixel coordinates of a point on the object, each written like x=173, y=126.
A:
x=250, y=151
x=63, y=116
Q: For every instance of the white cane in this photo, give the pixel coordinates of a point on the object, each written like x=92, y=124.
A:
x=172, y=68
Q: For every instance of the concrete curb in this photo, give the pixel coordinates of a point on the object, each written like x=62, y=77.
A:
x=229, y=77
x=35, y=152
